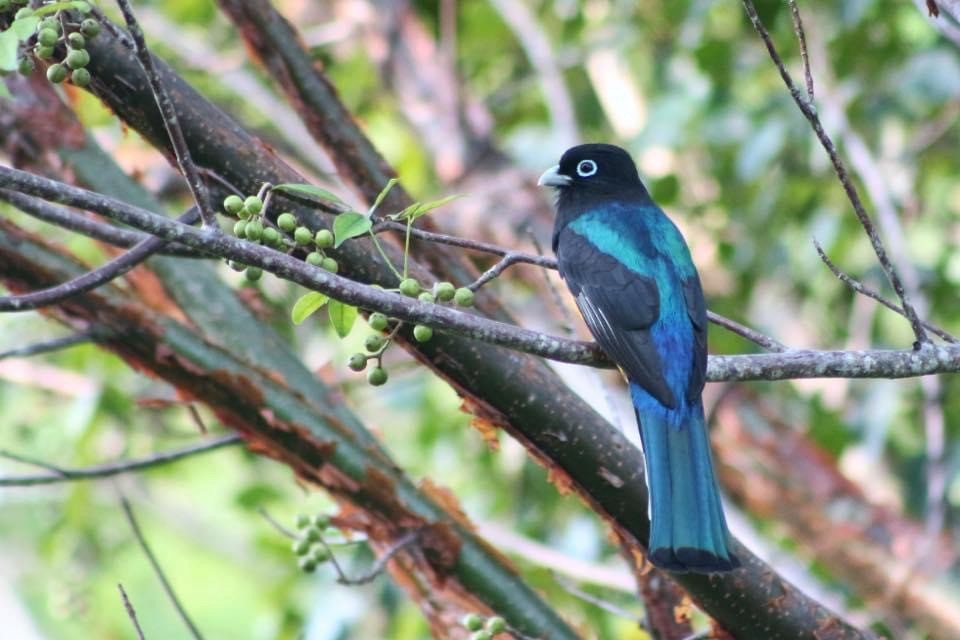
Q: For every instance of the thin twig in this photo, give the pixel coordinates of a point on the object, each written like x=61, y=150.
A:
x=81, y=337
x=72, y=221
x=574, y=590
x=378, y=566
x=108, y=470
x=276, y=523
x=804, y=55
x=863, y=289
x=809, y=111
x=94, y=278
x=178, y=142
x=131, y=613
x=135, y=527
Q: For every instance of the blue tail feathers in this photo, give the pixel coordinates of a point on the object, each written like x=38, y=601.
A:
x=688, y=531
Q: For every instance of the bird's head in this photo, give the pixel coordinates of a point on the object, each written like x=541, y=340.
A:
x=593, y=170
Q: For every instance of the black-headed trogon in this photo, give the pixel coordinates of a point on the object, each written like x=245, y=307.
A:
x=630, y=271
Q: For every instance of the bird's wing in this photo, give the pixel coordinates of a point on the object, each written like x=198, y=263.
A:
x=619, y=306
x=697, y=312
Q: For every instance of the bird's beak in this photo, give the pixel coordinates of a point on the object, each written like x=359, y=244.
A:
x=553, y=178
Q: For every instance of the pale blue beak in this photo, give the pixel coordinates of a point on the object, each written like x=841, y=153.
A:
x=553, y=178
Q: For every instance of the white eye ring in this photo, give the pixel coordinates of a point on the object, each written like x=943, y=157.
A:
x=586, y=168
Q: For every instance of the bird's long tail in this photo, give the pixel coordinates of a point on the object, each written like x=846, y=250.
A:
x=688, y=531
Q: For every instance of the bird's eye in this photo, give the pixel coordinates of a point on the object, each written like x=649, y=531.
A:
x=586, y=168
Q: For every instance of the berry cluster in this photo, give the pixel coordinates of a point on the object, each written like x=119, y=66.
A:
x=253, y=225
x=50, y=32
x=386, y=328
x=483, y=628
x=307, y=547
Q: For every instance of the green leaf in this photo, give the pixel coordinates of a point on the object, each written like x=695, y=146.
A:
x=383, y=194
x=342, y=317
x=53, y=7
x=24, y=27
x=307, y=190
x=349, y=224
x=307, y=305
x=8, y=50
x=418, y=209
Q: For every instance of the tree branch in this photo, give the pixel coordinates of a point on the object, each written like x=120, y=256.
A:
x=877, y=363
x=47, y=346
x=809, y=111
x=108, y=470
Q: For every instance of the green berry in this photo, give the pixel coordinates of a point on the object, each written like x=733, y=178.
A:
x=314, y=258
x=253, y=273
x=422, y=333
x=254, y=230
x=48, y=37
x=409, y=287
x=80, y=77
x=287, y=222
x=444, y=291
x=320, y=554
x=330, y=265
x=495, y=625
x=78, y=59
x=253, y=204
x=300, y=547
x=42, y=52
x=357, y=362
x=4, y=5
x=233, y=204
x=302, y=520
x=236, y=266
x=243, y=214
x=302, y=236
x=90, y=28
x=307, y=564
x=76, y=41
x=26, y=65
x=377, y=321
x=324, y=239
x=377, y=376
x=425, y=296
x=374, y=342
x=463, y=297
x=240, y=228
x=321, y=521
x=26, y=12
x=49, y=23
x=312, y=534
x=481, y=635
x=472, y=622
x=56, y=73
x=270, y=236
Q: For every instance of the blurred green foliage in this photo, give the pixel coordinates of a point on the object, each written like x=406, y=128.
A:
x=722, y=147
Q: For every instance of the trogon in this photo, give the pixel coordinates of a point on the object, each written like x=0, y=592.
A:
x=630, y=271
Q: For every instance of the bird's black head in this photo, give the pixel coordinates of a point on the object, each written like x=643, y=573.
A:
x=593, y=174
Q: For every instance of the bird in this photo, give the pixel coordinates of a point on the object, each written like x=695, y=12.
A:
x=630, y=272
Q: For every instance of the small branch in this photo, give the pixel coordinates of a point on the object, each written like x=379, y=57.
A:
x=131, y=613
x=198, y=187
x=135, y=527
x=47, y=346
x=510, y=257
x=110, y=270
x=809, y=111
x=378, y=566
x=66, y=219
x=862, y=289
x=804, y=55
x=111, y=469
x=574, y=590
x=276, y=524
